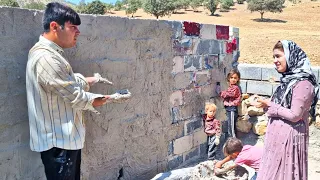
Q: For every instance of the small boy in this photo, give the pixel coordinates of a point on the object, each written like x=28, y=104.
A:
x=212, y=129
x=247, y=154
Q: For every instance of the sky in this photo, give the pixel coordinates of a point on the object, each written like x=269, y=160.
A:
x=106, y=1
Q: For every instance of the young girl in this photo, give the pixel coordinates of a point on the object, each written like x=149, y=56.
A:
x=231, y=99
x=212, y=129
x=248, y=155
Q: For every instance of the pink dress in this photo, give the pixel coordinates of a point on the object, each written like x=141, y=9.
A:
x=285, y=154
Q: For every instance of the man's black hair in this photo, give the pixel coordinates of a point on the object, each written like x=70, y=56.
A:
x=59, y=13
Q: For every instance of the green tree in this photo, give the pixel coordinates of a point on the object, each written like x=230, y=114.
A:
x=34, y=5
x=133, y=6
x=226, y=4
x=263, y=6
x=108, y=8
x=10, y=3
x=211, y=5
x=180, y=4
x=81, y=8
x=95, y=7
x=195, y=4
x=158, y=8
x=119, y=5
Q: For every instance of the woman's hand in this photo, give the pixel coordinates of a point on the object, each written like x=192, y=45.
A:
x=262, y=103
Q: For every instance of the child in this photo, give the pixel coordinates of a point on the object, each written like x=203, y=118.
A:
x=212, y=129
x=248, y=155
x=231, y=100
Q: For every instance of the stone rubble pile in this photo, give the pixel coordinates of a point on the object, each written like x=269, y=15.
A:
x=251, y=117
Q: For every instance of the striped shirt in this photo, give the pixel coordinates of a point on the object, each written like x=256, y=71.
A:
x=56, y=97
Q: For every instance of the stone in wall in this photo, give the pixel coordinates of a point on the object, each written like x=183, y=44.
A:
x=243, y=125
x=243, y=109
x=254, y=111
x=260, y=126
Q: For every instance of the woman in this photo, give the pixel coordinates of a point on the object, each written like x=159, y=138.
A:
x=285, y=155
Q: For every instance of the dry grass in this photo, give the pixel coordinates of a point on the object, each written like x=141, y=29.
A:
x=300, y=23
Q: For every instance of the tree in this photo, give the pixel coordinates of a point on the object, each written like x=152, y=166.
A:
x=263, y=6
x=179, y=4
x=34, y=5
x=211, y=5
x=195, y=4
x=133, y=6
x=226, y=4
x=158, y=8
x=95, y=7
x=118, y=5
x=108, y=7
x=10, y=3
x=81, y=8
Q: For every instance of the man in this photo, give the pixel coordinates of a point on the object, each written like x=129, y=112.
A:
x=56, y=96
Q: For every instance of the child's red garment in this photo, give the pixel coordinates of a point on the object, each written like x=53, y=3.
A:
x=232, y=96
x=212, y=126
x=250, y=156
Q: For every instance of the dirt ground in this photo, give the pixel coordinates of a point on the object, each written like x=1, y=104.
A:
x=300, y=23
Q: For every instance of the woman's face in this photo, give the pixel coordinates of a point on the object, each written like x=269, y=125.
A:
x=279, y=60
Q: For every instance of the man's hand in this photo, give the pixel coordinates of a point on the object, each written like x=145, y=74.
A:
x=100, y=101
x=100, y=79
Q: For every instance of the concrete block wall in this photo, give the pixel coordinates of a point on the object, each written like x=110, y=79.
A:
x=262, y=79
x=170, y=67
x=200, y=60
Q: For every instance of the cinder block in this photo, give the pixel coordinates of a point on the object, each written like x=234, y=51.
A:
x=199, y=137
x=175, y=162
x=269, y=72
x=233, y=32
x=225, y=60
x=202, y=78
x=222, y=32
x=191, y=154
x=209, y=47
x=182, y=144
x=207, y=91
x=193, y=103
x=259, y=87
x=249, y=71
x=176, y=28
x=192, y=63
x=243, y=86
x=190, y=110
x=191, y=28
x=183, y=46
x=178, y=64
x=208, y=31
x=176, y=98
x=183, y=80
x=192, y=125
x=210, y=61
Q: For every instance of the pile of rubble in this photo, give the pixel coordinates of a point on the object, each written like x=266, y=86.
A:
x=251, y=117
